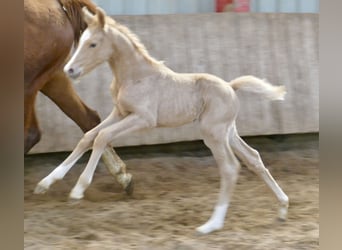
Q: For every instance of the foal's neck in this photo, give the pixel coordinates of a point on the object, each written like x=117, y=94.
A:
x=127, y=63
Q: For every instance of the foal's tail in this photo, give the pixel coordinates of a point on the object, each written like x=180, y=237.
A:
x=259, y=86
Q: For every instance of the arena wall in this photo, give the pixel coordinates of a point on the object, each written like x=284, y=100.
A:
x=283, y=48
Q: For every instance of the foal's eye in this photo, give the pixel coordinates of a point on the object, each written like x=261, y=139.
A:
x=92, y=45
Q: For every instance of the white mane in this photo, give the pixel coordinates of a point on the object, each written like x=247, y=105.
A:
x=134, y=39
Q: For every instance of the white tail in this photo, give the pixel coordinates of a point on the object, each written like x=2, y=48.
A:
x=259, y=86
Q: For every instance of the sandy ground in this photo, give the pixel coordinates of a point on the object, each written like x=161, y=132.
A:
x=175, y=191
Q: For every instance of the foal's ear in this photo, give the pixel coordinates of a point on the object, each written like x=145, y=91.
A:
x=101, y=14
x=88, y=17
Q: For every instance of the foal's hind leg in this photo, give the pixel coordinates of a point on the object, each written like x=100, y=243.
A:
x=253, y=161
x=229, y=170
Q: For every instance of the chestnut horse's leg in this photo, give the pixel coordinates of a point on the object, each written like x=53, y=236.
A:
x=31, y=130
x=60, y=90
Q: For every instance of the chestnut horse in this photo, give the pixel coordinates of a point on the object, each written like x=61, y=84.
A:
x=51, y=28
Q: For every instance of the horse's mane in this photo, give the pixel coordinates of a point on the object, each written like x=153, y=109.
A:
x=73, y=9
x=134, y=39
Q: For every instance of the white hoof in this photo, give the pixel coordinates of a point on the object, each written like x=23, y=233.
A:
x=284, y=204
x=209, y=227
x=76, y=194
x=41, y=188
x=282, y=214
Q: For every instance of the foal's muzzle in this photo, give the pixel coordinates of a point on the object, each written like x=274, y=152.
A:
x=72, y=72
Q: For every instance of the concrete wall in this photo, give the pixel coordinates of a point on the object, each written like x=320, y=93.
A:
x=143, y=7
x=287, y=6
x=282, y=48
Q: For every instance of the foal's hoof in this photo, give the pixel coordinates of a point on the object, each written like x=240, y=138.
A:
x=281, y=220
x=208, y=228
x=72, y=201
x=130, y=187
x=282, y=216
x=40, y=189
x=75, y=195
x=126, y=181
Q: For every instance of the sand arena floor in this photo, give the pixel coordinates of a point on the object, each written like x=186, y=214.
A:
x=176, y=189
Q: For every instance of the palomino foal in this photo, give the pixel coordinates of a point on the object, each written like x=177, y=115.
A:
x=148, y=94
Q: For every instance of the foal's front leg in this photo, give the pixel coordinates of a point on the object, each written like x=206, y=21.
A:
x=84, y=144
x=125, y=126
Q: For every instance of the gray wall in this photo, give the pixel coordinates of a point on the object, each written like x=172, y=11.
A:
x=141, y=7
x=285, y=6
x=282, y=48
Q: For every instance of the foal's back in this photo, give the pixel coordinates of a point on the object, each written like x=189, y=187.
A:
x=181, y=98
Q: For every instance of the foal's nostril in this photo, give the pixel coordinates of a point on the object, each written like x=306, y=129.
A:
x=71, y=71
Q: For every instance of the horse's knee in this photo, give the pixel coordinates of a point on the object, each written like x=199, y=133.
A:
x=32, y=137
x=93, y=118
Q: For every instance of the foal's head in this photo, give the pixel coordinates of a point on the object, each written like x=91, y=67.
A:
x=94, y=47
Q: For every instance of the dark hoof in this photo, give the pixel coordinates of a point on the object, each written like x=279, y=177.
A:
x=73, y=202
x=130, y=187
x=282, y=220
